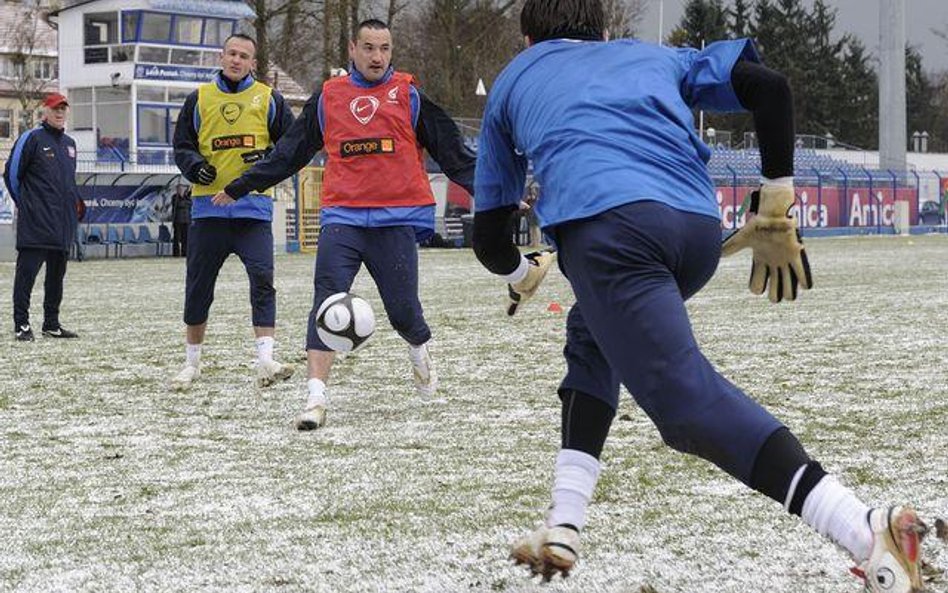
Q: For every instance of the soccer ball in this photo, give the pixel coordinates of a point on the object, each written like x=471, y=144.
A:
x=344, y=321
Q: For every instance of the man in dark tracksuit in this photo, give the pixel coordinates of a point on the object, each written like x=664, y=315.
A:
x=223, y=127
x=41, y=178
x=181, y=220
x=376, y=198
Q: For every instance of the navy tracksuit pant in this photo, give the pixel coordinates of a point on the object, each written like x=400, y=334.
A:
x=390, y=254
x=210, y=242
x=28, y=264
x=631, y=269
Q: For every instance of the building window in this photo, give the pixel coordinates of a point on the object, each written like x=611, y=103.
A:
x=211, y=59
x=6, y=123
x=101, y=28
x=44, y=69
x=188, y=57
x=187, y=30
x=173, y=114
x=130, y=25
x=107, y=112
x=122, y=53
x=80, y=95
x=151, y=94
x=152, y=125
x=153, y=55
x=96, y=55
x=178, y=94
x=81, y=117
x=156, y=26
x=216, y=31
x=28, y=119
x=181, y=29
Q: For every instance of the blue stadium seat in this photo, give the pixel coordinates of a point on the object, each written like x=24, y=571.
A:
x=128, y=235
x=144, y=236
x=112, y=238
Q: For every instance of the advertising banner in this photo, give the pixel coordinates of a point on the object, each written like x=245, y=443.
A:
x=173, y=72
x=822, y=207
x=127, y=203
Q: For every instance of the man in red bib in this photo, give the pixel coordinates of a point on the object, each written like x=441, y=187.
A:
x=377, y=203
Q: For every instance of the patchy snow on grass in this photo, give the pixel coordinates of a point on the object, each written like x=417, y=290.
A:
x=111, y=482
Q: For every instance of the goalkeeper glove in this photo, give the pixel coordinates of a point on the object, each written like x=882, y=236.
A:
x=539, y=263
x=779, y=260
x=206, y=174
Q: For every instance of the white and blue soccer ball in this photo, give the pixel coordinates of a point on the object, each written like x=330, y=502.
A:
x=345, y=321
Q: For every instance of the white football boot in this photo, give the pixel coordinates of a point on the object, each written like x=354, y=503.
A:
x=270, y=372
x=425, y=377
x=182, y=381
x=894, y=565
x=547, y=551
x=311, y=418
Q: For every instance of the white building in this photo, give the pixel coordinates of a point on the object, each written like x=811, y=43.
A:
x=127, y=66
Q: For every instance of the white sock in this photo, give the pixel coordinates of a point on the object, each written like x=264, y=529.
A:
x=193, y=355
x=519, y=273
x=835, y=512
x=264, y=349
x=417, y=353
x=573, y=485
x=317, y=393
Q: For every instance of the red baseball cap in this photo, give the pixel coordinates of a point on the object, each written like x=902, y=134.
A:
x=54, y=100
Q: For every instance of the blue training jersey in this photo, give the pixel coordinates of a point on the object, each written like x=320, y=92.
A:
x=604, y=124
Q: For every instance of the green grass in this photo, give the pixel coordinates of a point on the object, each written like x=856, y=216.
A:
x=110, y=482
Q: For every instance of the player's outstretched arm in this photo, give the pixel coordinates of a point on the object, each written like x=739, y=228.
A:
x=780, y=265
x=292, y=152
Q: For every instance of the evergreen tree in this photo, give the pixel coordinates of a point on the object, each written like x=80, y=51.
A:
x=858, y=107
x=703, y=21
x=739, y=19
x=920, y=96
x=820, y=78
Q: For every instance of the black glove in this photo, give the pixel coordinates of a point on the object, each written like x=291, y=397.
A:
x=256, y=155
x=206, y=174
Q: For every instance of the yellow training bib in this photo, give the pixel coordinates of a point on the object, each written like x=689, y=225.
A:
x=233, y=125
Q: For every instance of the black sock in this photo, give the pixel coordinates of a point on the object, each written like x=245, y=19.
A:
x=585, y=422
x=778, y=460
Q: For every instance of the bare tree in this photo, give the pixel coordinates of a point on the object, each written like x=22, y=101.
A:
x=395, y=7
x=450, y=44
x=25, y=36
x=268, y=13
x=623, y=17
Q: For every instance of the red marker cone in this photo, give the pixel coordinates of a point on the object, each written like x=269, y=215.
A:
x=554, y=307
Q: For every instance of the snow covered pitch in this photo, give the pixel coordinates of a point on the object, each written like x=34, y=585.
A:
x=109, y=482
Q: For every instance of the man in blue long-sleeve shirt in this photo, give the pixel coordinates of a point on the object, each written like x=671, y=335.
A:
x=41, y=178
x=627, y=198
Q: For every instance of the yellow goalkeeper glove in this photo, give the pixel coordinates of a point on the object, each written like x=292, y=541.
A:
x=520, y=292
x=779, y=259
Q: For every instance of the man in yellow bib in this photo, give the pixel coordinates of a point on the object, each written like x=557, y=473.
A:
x=223, y=128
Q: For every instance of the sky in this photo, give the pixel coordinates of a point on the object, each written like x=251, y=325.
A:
x=860, y=17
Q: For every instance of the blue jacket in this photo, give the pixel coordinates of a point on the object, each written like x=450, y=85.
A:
x=41, y=178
